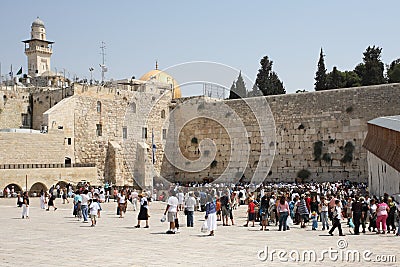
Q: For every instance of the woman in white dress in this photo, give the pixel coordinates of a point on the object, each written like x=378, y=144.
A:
x=42, y=200
x=211, y=215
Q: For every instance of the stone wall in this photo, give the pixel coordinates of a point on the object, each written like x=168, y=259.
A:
x=45, y=98
x=31, y=148
x=336, y=119
x=13, y=103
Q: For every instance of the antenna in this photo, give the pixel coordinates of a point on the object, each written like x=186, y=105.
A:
x=103, y=55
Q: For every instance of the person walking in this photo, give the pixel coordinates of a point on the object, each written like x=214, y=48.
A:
x=211, y=215
x=324, y=213
x=381, y=216
x=190, y=203
x=25, y=206
x=336, y=216
x=172, y=209
x=356, y=208
x=143, y=212
x=50, y=203
x=43, y=201
x=94, y=211
x=283, y=213
x=84, y=205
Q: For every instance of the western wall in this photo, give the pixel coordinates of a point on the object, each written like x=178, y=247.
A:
x=321, y=132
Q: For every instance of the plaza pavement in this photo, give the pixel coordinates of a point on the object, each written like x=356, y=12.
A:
x=51, y=238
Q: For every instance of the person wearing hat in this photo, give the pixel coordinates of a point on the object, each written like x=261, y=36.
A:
x=143, y=213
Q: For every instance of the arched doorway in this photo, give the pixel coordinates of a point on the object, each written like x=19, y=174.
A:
x=67, y=162
x=14, y=189
x=36, y=188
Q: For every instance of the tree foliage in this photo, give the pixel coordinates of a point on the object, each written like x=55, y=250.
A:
x=371, y=70
x=267, y=80
x=238, y=88
x=255, y=92
x=320, y=75
x=393, y=71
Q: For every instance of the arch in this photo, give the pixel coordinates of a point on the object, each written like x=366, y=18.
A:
x=62, y=184
x=36, y=188
x=17, y=189
x=98, y=106
x=67, y=162
x=163, y=114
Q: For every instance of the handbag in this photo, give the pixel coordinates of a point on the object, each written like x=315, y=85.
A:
x=289, y=221
x=204, y=227
x=185, y=211
x=163, y=218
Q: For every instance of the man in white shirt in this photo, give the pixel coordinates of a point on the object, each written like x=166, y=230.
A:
x=134, y=197
x=172, y=209
x=337, y=216
x=190, y=203
x=84, y=205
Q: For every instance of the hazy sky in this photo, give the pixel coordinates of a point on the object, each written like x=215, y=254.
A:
x=235, y=33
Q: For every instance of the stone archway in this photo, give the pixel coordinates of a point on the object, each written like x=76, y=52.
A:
x=36, y=188
x=16, y=188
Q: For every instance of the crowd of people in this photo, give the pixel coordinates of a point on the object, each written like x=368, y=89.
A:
x=279, y=205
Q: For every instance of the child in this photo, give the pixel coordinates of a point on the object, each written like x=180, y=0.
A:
x=94, y=211
x=314, y=218
x=351, y=226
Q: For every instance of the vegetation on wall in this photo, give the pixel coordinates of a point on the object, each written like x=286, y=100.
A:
x=303, y=174
x=348, y=153
x=318, y=150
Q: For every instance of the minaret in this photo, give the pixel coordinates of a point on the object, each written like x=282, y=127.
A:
x=38, y=49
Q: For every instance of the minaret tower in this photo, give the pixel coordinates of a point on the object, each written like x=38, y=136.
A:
x=38, y=49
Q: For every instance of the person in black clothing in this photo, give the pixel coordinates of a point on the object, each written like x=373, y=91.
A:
x=264, y=205
x=364, y=209
x=356, y=208
x=225, y=208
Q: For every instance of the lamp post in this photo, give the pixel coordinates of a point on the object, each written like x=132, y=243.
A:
x=91, y=75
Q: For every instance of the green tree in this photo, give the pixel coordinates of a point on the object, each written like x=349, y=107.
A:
x=393, y=71
x=371, y=70
x=334, y=79
x=255, y=92
x=238, y=89
x=232, y=94
x=320, y=75
x=351, y=79
x=267, y=80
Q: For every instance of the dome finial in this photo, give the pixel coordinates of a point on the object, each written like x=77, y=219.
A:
x=156, y=65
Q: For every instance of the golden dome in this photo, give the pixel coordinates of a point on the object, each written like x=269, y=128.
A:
x=163, y=77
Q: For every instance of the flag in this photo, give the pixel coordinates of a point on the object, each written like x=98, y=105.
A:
x=20, y=71
x=153, y=147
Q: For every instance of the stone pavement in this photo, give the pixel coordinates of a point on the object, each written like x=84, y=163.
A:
x=58, y=239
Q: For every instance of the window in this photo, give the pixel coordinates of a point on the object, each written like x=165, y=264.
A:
x=124, y=132
x=99, y=129
x=134, y=107
x=69, y=141
x=144, y=132
x=164, y=134
x=98, y=106
x=162, y=114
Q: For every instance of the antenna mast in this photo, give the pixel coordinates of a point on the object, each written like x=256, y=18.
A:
x=103, y=55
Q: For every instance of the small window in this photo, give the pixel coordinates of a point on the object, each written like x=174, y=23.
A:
x=99, y=129
x=124, y=132
x=134, y=107
x=162, y=114
x=69, y=141
x=144, y=132
x=98, y=106
x=164, y=134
